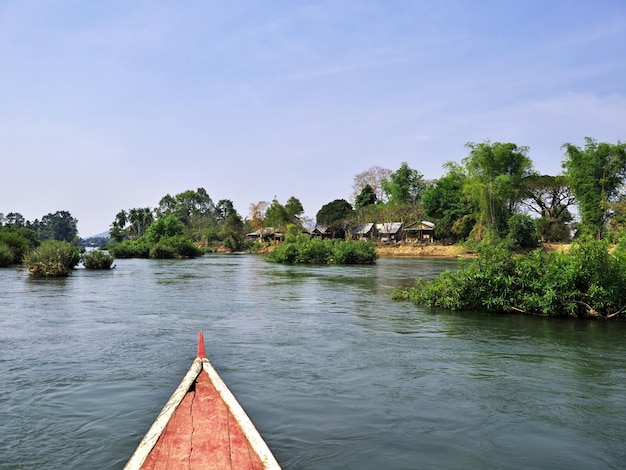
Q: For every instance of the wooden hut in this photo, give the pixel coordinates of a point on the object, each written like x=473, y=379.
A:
x=363, y=232
x=421, y=232
x=390, y=231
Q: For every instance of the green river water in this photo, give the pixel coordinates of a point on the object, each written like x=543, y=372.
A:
x=332, y=372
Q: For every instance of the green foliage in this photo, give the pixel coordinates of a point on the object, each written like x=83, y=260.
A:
x=97, y=259
x=177, y=246
x=596, y=175
x=356, y=252
x=168, y=226
x=6, y=255
x=588, y=281
x=232, y=232
x=550, y=198
x=334, y=212
x=130, y=249
x=404, y=186
x=294, y=209
x=195, y=209
x=52, y=258
x=366, y=197
x=302, y=249
x=522, y=231
x=58, y=226
x=275, y=215
x=496, y=173
x=20, y=241
x=446, y=205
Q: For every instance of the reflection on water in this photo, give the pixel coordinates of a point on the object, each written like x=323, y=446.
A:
x=332, y=372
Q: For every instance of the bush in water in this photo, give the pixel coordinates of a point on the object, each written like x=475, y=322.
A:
x=52, y=259
x=97, y=259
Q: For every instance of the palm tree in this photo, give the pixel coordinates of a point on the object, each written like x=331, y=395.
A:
x=147, y=217
x=134, y=217
x=121, y=219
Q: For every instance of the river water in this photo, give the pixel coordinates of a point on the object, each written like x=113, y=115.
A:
x=332, y=372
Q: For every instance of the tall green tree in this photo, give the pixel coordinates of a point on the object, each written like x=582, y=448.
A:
x=192, y=208
x=168, y=226
x=334, y=214
x=448, y=207
x=294, y=210
x=224, y=209
x=496, y=173
x=366, y=197
x=15, y=219
x=60, y=226
x=276, y=215
x=232, y=232
x=404, y=186
x=596, y=174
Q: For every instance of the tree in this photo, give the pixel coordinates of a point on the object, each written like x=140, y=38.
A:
x=15, y=219
x=257, y=214
x=334, y=214
x=139, y=219
x=448, y=207
x=496, y=173
x=366, y=197
x=276, y=215
x=596, y=175
x=60, y=226
x=121, y=219
x=224, y=209
x=17, y=241
x=192, y=208
x=373, y=177
x=294, y=210
x=168, y=226
x=550, y=198
x=404, y=186
x=232, y=232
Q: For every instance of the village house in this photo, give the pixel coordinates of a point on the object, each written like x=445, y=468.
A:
x=265, y=234
x=390, y=231
x=421, y=232
x=363, y=232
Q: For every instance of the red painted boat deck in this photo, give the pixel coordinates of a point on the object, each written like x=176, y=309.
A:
x=203, y=426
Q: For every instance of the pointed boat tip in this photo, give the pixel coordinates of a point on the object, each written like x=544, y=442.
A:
x=201, y=352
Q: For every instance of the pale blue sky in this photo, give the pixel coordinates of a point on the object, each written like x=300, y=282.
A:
x=111, y=105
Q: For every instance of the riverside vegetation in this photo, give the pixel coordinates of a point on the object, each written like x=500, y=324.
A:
x=483, y=203
x=589, y=280
x=302, y=249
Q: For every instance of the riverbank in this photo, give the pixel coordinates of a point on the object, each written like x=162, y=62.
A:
x=432, y=250
x=429, y=250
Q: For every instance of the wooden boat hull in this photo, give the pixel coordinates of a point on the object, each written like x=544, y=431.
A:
x=202, y=426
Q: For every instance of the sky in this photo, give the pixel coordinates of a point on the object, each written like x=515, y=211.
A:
x=112, y=105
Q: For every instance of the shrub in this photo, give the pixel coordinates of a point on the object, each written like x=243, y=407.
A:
x=177, y=246
x=52, y=259
x=587, y=281
x=523, y=231
x=302, y=249
x=168, y=226
x=97, y=259
x=130, y=249
x=6, y=255
x=20, y=242
x=359, y=252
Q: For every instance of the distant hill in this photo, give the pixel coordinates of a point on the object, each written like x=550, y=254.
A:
x=99, y=235
x=95, y=240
